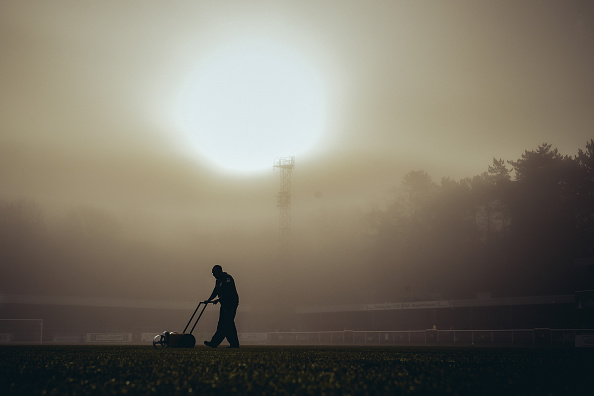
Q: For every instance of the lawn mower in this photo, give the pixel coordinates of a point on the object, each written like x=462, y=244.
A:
x=172, y=339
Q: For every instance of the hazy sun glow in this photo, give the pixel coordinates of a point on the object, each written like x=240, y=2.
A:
x=251, y=102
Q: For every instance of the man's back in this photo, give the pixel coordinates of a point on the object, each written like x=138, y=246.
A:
x=227, y=291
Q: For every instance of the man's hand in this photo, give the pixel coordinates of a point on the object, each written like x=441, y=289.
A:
x=215, y=301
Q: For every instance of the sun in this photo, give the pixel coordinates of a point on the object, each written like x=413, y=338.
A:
x=250, y=102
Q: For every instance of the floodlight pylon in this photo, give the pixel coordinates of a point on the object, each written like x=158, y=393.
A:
x=283, y=202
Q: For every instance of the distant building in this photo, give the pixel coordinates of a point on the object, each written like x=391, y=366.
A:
x=562, y=311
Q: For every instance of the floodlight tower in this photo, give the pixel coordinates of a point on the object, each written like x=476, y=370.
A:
x=283, y=202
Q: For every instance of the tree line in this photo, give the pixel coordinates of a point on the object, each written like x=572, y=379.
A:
x=523, y=227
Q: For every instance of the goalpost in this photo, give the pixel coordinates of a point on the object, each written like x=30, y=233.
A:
x=21, y=331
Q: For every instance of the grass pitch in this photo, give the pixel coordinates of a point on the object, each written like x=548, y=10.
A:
x=282, y=370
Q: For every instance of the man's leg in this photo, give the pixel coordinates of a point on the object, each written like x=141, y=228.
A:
x=228, y=325
x=231, y=330
x=219, y=335
x=232, y=336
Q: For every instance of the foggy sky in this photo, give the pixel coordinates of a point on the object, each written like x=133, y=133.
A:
x=88, y=89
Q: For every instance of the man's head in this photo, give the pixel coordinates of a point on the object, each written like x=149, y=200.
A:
x=217, y=270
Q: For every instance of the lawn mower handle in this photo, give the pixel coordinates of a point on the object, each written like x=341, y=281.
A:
x=196, y=310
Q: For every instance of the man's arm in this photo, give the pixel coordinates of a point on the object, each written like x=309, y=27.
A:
x=214, y=293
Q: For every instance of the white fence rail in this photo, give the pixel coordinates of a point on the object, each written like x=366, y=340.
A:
x=514, y=337
x=21, y=331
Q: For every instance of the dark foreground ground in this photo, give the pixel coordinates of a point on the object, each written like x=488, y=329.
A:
x=142, y=370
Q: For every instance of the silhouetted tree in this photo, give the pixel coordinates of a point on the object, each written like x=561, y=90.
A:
x=22, y=243
x=543, y=225
x=20, y=222
x=584, y=203
x=90, y=224
x=510, y=231
x=492, y=189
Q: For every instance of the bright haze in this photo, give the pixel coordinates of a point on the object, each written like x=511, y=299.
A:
x=162, y=121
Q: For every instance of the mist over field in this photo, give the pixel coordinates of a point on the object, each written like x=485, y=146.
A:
x=442, y=150
x=519, y=228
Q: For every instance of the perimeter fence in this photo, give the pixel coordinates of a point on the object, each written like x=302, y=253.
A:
x=515, y=337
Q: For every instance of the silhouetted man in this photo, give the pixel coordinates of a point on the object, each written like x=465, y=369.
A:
x=229, y=299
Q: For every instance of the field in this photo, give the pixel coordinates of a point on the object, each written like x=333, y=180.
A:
x=268, y=370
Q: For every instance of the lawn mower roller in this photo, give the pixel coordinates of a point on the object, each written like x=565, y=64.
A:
x=172, y=339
